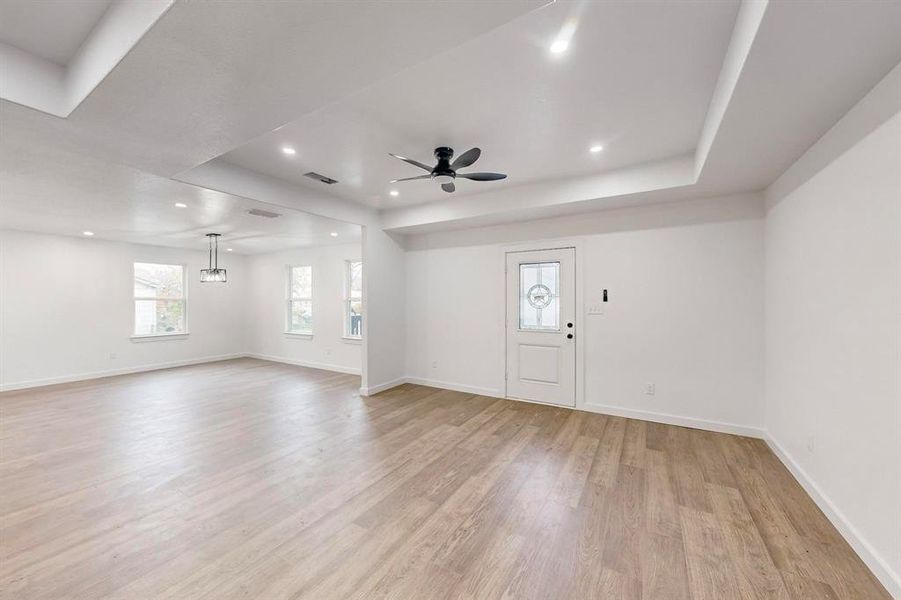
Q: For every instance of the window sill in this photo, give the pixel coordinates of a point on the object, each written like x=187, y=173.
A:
x=296, y=334
x=351, y=340
x=156, y=337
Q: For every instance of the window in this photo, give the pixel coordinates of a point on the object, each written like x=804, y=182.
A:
x=353, y=299
x=539, y=307
x=300, y=300
x=159, y=299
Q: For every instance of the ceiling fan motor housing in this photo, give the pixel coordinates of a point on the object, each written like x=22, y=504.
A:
x=442, y=173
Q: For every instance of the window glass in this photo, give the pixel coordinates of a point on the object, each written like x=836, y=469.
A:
x=159, y=296
x=539, y=302
x=300, y=299
x=353, y=299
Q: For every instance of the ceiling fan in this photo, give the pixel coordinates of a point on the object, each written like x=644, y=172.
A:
x=446, y=171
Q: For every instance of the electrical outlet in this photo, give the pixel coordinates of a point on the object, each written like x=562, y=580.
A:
x=112, y=356
x=434, y=364
x=650, y=389
x=328, y=351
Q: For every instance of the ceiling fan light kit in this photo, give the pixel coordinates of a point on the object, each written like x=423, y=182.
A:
x=445, y=172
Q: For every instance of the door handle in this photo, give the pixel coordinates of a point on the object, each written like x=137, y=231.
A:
x=569, y=324
x=569, y=336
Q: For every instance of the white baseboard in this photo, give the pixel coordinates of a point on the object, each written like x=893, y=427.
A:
x=877, y=564
x=457, y=387
x=21, y=385
x=305, y=363
x=381, y=387
x=655, y=417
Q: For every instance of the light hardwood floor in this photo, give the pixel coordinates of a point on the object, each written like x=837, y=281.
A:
x=249, y=479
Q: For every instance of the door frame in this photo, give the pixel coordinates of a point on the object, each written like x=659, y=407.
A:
x=577, y=244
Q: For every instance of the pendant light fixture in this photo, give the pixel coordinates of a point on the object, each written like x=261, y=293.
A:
x=214, y=273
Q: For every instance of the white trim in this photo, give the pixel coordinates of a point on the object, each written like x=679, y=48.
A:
x=299, y=334
x=717, y=426
x=381, y=387
x=876, y=563
x=156, y=337
x=668, y=419
x=457, y=387
x=21, y=385
x=305, y=363
x=580, y=316
x=348, y=339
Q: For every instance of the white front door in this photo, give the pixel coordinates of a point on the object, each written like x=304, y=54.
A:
x=541, y=326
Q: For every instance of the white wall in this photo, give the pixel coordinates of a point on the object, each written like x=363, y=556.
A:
x=833, y=336
x=685, y=287
x=326, y=349
x=384, y=310
x=66, y=306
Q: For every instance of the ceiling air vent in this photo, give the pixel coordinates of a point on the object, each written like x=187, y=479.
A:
x=321, y=178
x=262, y=213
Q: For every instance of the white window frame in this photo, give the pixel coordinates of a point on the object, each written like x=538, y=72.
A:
x=289, y=299
x=347, y=301
x=184, y=300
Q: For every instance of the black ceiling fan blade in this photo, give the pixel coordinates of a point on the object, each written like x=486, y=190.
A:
x=482, y=176
x=466, y=159
x=448, y=187
x=411, y=178
x=412, y=162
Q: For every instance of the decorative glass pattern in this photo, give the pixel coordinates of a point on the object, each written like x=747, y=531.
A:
x=539, y=302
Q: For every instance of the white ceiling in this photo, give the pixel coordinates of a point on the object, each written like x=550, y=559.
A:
x=206, y=77
x=637, y=79
x=51, y=29
x=47, y=189
x=212, y=91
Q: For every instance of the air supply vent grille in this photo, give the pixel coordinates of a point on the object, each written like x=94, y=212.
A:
x=262, y=213
x=321, y=178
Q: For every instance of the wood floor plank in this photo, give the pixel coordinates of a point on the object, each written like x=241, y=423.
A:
x=711, y=573
x=251, y=479
x=756, y=574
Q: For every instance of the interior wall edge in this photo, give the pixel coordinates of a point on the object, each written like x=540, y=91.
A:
x=33, y=383
x=878, y=106
x=679, y=420
x=456, y=387
x=872, y=558
x=304, y=363
x=371, y=390
x=606, y=409
x=695, y=211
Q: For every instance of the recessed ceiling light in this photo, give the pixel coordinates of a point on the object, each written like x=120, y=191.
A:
x=289, y=151
x=181, y=205
x=88, y=233
x=334, y=234
x=394, y=193
x=228, y=249
x=596, y=149
x=559, y=46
